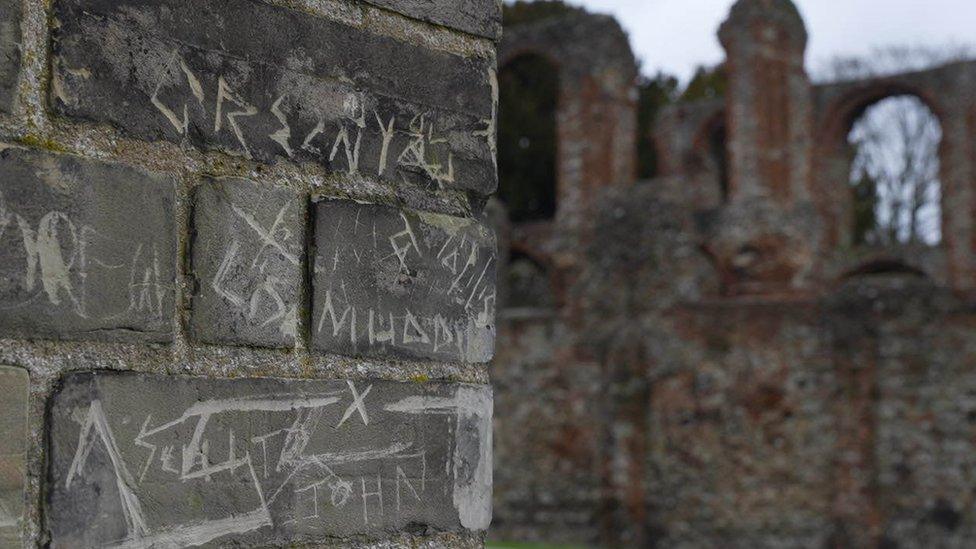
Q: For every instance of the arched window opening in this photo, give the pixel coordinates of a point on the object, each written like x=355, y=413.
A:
x=653, y=94
x=718, y=151
x=528, y=91
x=528, y=282
x=895, y=173
x=885, y=267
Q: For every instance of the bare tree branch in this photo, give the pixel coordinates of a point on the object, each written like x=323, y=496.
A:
x=896, y=147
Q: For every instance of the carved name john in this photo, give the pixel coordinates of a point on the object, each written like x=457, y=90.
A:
x=267, y=82
x=150, y=461
x=87, y=249
x=388, y=281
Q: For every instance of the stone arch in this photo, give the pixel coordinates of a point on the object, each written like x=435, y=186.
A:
x=885, y=265
x=529, y=281
x=657, y=149
x=596, y=120
x=947, y=91
x=833, y=159
x=711, y=152
x=527, y=128
x=905, y=260
x=844, y=111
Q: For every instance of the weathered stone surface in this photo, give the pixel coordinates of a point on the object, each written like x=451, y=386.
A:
x=267, y=82
x=11, y=12
x=15, y=387
x=597, y=123
x=87, y=248
x=390, y=282
x=759, y=379
x=248, y=261
x=144, y=460
x=479, y=17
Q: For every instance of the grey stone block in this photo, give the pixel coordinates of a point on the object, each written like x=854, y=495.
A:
x=87, y=249
x=142, y=460
x=391, y=282
x=248, y=259
x=14, y=391
x=269, y=83
x=478, y=17
x=11, y=14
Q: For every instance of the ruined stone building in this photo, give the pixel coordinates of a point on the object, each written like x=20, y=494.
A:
x=247, y=288
x=710, y=358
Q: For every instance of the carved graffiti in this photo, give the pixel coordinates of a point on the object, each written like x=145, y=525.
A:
x=247, y=255
x=406, y=140
x=206, y=460
x=71, y=263
x=390, y=281
x=403, y=114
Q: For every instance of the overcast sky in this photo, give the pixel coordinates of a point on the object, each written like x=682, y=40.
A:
x=677, y=35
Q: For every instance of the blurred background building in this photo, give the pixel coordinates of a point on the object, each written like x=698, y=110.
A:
x=739, y=314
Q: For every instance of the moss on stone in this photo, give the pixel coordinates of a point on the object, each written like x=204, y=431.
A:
x=36, y=142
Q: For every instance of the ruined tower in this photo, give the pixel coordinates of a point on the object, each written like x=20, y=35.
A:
x=742, y=372
x=247, y=290
x=767, y=233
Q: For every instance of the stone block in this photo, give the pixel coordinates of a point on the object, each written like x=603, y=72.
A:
x=139, y=460
x=478, y=17
x=248, y=259
x=87, y=249
x=11, y=14
x=267, y=83
x=389, y=282
x=15, y=388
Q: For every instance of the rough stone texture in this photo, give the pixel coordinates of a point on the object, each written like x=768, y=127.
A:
x=119, y=122
x=741, y=410
x=682, y=137
x=271, y=83
x=248, y=262
x=14, y=386
x=817, y=237
x=11, y=13
x=947, y=91
x=140, y=459
x=390, y=282
x=723, y=367
x=479, y=17
x=766, y=236
x=596, y=113
x=670, y=414
x=88, y=249
x=552, y=393
x=548, y=424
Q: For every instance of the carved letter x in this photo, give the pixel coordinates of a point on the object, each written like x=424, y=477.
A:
x=357, y=405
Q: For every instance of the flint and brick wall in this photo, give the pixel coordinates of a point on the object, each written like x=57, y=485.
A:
x=247, y=288
x=550, y=391
x=726, y=369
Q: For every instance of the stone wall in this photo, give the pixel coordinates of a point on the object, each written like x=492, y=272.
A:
x=689, y=176
x=247, y=285
x=684, y=418
x=549, y=483
x=723, y=367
